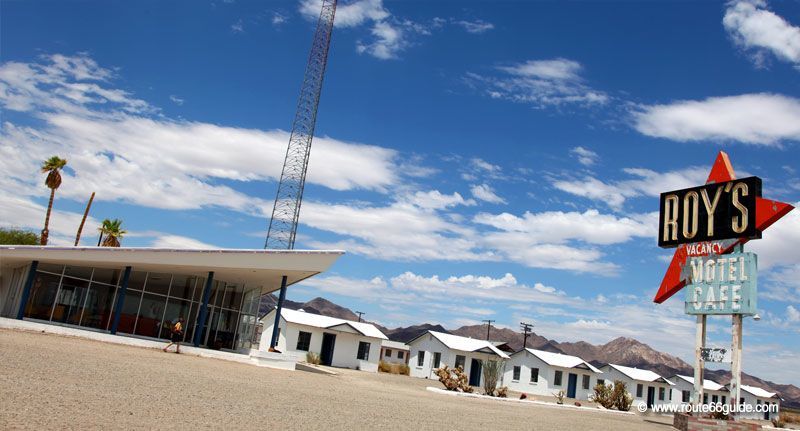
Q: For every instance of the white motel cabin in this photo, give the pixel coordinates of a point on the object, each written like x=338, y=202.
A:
x=758, y=397
x=432, y=350
x=394, y=352
x=645, y=386
x=683, y=390
x=546, y=373
x=339, y=343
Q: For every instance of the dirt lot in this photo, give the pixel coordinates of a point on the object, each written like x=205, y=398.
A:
x=49, y=381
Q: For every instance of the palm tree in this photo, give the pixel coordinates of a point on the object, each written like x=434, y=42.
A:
x=112, y=231
x=51, y=167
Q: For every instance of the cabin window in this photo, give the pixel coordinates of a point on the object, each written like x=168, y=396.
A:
x=517, y=372
x=460, y=361
x=601, y=382
x=685, y=396
x=639, y=390
x=437, y=359
x=388, y=353
x=557, y=378
x=399, y=354
x=303, y=341
x=723, y=399
x=363, y=351
x=661, y=394
x=585, y=382
x=705, y=398
x=420, y=358
x=534, y=375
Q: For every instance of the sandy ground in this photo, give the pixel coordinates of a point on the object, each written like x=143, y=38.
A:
x=56, y=382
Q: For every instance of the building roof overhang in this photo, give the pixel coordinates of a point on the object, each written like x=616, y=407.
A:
x=256, y=267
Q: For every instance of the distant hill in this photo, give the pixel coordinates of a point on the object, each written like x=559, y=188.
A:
x=623, y=350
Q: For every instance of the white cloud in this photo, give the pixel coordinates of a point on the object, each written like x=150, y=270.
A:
x=278, y=18
x=485, y=193
x=350, y=14
x=387, y=43
x=778, y=244
x=542, y=83
x=585, y=156
x=175, y=99
x=560, y=240
x=792, y=314
x=475, y=27
x=434, y=199
x=753, y=27
x=109, y=137
x=237, y=27
x=646, y=183
x=762, y=119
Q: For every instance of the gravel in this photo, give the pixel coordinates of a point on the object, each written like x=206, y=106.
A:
x=50, y=381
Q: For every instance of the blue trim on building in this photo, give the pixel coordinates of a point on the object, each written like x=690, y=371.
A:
x=26, y=291
x=123, y=289
x=201, y=319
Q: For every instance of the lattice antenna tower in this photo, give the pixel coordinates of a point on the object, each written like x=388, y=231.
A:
x=286, y=211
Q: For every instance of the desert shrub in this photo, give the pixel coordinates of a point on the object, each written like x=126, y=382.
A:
x=312, y=358
x=778, y=422
x=559, y=396
x=404, y=369
x=384, y=367
x=502, y=392
x=453, y=379
x=603, y=396
x=719, y=413
x=492, y=370
x=622, y=399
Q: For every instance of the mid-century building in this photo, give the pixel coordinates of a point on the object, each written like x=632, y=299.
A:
x=758, y=397
x=338, y=342
x=141, y=291
x=645, y=386
x=546, y=373
x=683, y=390
x=394, y=352
x=432, y=349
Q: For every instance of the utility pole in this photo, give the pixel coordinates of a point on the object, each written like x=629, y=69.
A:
x=488, y=326
x=360, y=313
x=526, y=330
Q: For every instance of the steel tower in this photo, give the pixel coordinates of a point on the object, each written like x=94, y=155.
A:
x=286, y=211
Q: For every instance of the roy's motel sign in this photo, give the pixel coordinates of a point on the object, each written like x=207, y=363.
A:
x=725, y=284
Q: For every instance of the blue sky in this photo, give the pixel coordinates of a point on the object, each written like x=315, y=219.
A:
x=476, y=160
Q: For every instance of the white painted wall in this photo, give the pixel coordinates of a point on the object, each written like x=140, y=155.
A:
x=392, y=357
x=345, y=349
x=610, y=375
x=754, y=401
x=682, y=385
x=430, y=344
x=544, y=386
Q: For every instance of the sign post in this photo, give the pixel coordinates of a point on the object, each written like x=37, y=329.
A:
x=708, y=225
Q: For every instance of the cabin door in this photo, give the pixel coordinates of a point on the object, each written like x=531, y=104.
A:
x=475, y=373
x=651, y=396
x=326, y=355
x=572, y=383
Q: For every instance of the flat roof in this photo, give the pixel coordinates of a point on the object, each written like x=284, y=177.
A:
x=249, y=266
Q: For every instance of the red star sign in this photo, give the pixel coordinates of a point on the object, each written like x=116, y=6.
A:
x=767, y=213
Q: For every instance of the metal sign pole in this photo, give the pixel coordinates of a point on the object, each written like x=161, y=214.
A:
x=736, y=359
x=699, y=364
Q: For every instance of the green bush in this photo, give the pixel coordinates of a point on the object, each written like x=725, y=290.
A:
x=312, y=358
x=603, y=396
x=622, y=399
x=492, y=370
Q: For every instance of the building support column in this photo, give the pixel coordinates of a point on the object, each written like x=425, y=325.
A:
x=26, y=290
x=736, y=358
x=699, y=364
x=201, y=318
x=123, y=289
x=275, y=330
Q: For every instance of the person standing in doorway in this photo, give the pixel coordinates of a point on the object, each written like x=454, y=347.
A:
x=177, y=335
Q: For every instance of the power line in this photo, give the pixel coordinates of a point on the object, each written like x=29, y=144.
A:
x=488, y=326
x=526, y=330
x=360, y=313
